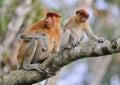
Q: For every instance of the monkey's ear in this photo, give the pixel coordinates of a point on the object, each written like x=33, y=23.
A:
x=77, y=12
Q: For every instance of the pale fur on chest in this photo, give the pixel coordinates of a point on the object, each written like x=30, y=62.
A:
x=78, y=30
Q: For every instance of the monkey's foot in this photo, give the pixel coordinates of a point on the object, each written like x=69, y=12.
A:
x=101, y=40
x=51, y=73
x=40, y=69
x=3, y=74
x=37, y=67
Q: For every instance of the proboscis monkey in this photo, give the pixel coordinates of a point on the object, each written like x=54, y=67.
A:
x=39, y=41
x=73, y=30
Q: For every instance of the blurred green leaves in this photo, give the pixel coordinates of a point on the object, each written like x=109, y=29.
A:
x=114, y=1
x=7, y=15
x=1, y=1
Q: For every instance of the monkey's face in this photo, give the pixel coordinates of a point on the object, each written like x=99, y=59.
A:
x=48, y=21
x=82, y=15
x=83, y=19
x=51, y=19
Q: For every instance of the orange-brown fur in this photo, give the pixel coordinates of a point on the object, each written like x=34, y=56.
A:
x=52, y=33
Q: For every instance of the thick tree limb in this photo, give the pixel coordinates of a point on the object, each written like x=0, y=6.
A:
x=55, y=62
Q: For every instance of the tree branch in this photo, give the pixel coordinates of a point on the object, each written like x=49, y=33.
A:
x=56, y=62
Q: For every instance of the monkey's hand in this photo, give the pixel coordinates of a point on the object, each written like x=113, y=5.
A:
x=75, y=44
x=101, y=40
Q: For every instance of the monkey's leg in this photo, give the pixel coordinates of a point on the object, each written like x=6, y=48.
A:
x=65, y=44
x=74, y=39
x=30, y=50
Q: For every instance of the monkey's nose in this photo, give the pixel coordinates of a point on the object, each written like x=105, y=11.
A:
x=46, y=21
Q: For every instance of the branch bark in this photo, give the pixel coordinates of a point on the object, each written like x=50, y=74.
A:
x=57, y=61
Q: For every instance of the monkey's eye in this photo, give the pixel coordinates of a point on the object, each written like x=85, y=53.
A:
x=83, y=16
x=80, y=14
x=51, y=16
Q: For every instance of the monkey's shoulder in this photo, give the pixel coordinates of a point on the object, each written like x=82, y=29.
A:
x=36, y=27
